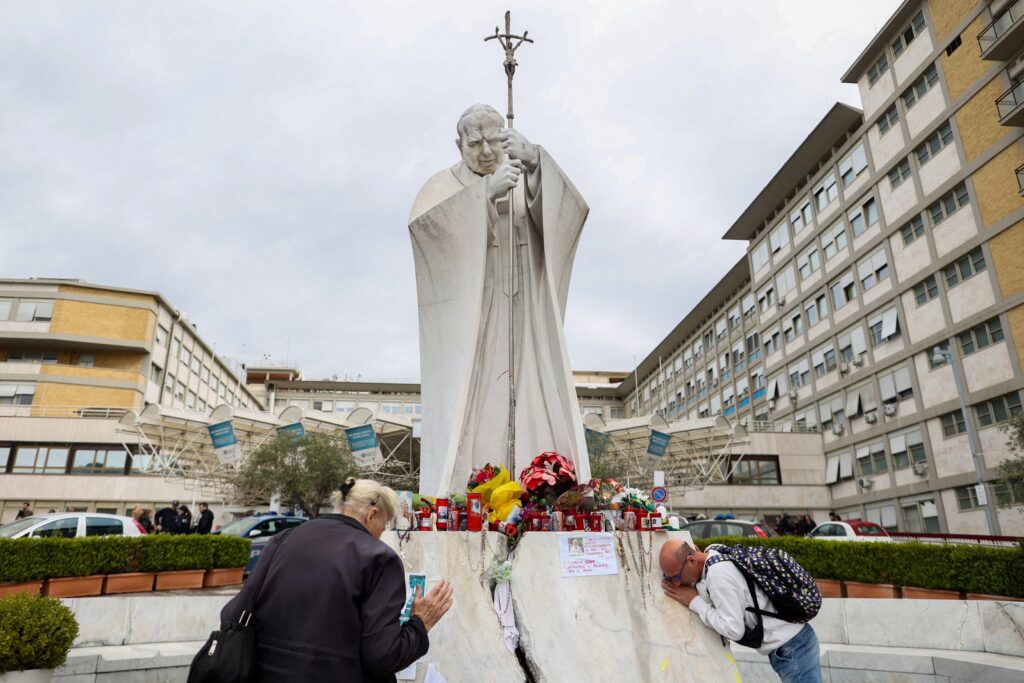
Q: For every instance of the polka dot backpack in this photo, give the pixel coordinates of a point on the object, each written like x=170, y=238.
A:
x=790, y=587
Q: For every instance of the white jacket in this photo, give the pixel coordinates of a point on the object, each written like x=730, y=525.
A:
x=722, y=601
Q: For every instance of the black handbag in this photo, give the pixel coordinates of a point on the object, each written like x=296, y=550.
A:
x=229, y=655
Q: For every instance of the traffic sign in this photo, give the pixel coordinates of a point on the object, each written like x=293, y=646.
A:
x=659, y=494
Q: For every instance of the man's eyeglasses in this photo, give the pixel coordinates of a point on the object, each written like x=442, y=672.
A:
x=678, y=578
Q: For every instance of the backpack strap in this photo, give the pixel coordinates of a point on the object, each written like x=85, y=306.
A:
x=247, y=612
x=754, y=637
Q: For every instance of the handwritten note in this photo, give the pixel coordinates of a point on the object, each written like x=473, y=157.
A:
x=591, y=554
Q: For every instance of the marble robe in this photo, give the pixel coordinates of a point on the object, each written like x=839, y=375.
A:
x=460, y=247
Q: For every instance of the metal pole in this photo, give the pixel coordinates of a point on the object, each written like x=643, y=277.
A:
x=972, y=437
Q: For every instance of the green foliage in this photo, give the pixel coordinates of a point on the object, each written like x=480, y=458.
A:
x=303, y=471
x=28, y=559
x=230, y=552
x=1011, y=471
x=968, y=568
x=164, y=552
x=35, y=632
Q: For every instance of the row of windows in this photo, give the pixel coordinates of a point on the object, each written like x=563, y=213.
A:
x=963, y=268
x=26, y=310
x=903, y=449
x=67, y=459
x=994, y=411
x=881, y=65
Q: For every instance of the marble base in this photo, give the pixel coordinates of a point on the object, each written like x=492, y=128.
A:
x=467, y=644
x=600, y=628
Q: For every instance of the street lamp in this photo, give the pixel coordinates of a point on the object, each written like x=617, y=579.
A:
x=940, y=356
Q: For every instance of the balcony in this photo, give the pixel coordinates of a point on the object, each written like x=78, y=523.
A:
x=1020, y=180
x=1002, y=38
x=1011, y=105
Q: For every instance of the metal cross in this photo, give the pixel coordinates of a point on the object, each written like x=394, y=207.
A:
x=510, y=63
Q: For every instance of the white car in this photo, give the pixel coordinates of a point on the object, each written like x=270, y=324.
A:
x=71, y=525
x=850, y=530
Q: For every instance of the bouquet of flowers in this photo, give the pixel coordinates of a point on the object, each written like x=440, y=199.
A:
x=548, y=476
x=486, y=480
x=605, y=491
x=633, y=498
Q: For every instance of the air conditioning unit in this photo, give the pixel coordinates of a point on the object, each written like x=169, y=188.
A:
x=871, y=418
x=920, y=468
x=838, y=428
x=844, y=368
x=858, y=360
x=782, y=301
x=890, y=409
x=771, y=404
x=865, y=483
x=793, y=396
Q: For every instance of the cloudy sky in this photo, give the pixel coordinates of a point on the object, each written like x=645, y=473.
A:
x=255, y=162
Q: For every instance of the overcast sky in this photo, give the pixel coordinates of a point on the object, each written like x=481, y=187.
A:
x=255, y=162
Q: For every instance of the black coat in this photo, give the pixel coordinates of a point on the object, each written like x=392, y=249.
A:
x=205, y=523
x=167, y=520
x=329, y=608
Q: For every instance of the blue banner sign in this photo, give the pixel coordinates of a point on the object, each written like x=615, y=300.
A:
x=362, y=440
x=225, y=443
x=658, y=444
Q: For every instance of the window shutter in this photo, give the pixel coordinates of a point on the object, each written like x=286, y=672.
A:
x=832, y=469
x=853, y=403
x=889, y=323
x=897, y=444
x=902, y=378
x=863, y=452
x=857, y=340
x=887, y=387
x=845, y=465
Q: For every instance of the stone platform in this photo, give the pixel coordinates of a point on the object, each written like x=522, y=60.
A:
x=573, y=629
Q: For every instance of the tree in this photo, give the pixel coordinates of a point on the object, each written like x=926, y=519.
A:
x=304, y=472
x=1011, y=471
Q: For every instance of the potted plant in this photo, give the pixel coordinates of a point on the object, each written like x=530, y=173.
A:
x=229, y=559
x=180, y=561
x=36, y=634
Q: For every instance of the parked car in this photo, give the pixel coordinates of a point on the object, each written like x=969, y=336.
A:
x=259, y=529
x=850, y=530
x=72, y=525
x=713, y=528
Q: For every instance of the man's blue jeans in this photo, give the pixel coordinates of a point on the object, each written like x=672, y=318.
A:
x=798, y=661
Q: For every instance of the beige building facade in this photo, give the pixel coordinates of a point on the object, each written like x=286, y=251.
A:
x=889, y=232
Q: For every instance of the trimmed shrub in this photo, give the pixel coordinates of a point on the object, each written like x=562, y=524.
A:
x=35, y=632
x=163, y=553
x=28, y=559
x=968, y=568
x=231, y=552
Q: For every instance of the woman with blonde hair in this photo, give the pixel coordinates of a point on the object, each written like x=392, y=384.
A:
x=325, y=598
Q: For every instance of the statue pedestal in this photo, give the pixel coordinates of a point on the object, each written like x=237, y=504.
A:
x=597, y=628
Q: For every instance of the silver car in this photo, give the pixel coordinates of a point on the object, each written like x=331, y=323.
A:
x=71, y=525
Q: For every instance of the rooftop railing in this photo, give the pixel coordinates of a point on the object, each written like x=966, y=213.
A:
x=780, y=426
x=955, y=539
x=87, y=412
x=1000, y=25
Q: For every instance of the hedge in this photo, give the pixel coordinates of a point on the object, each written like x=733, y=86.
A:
x=32, y=559
x=968, y=568
x=35, y=632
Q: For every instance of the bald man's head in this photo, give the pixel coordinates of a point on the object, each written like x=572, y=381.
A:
x=680, y=562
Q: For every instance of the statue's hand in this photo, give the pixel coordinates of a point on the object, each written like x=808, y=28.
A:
x=504, y=179
x=518, y=147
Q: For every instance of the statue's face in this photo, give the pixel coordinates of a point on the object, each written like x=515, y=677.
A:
x=479, y=143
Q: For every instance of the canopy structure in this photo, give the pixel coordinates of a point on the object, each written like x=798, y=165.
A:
x=698, y=452
x=176, y=443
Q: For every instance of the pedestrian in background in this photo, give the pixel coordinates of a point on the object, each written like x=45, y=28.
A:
x=146, y=520
x=25, y=511
x=166, y=519
x=184, y=520
x=205, y=523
